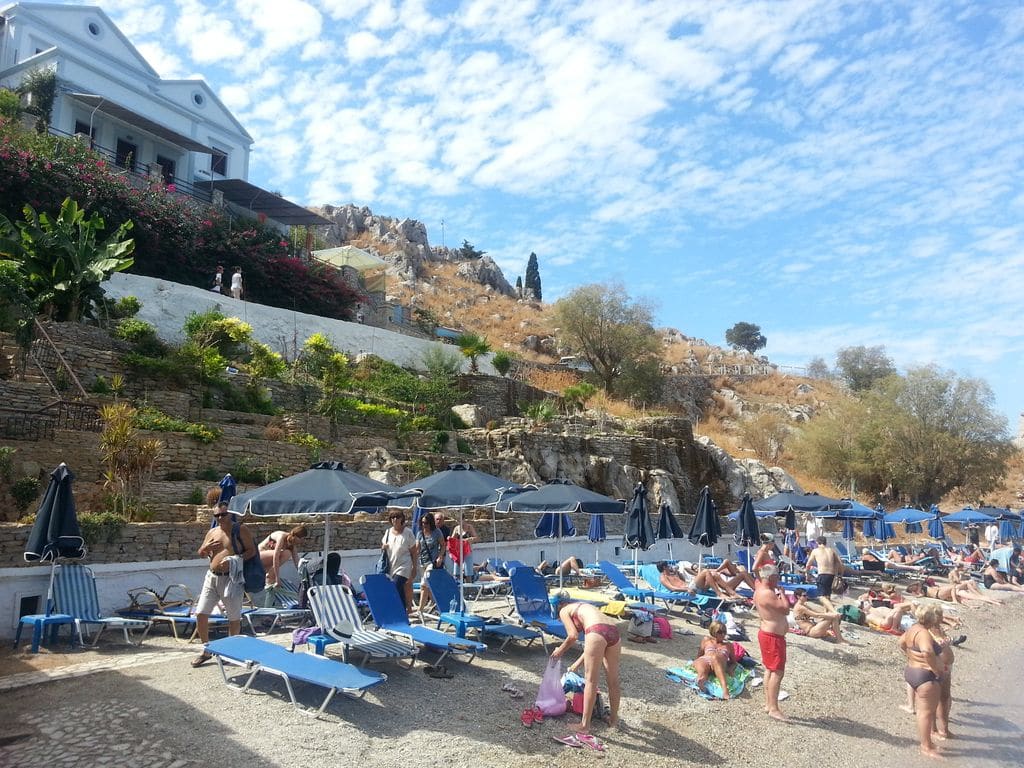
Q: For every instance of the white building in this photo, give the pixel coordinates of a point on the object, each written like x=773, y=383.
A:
x=106, y=90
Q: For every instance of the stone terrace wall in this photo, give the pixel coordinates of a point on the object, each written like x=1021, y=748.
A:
x=499, y=397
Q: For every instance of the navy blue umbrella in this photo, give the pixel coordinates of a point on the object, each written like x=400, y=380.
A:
x=869, y=528
x=907, y=515
x=1007, y=530
x=801, y=502
x=639, y=529
x=706, y=529
x=747, y=532
x=554, y=501
x=55, y=533
x=326, y=488
x=848, y=530
x=853, y=511
x=668, y=527
x=935, y=529
x=228, y=488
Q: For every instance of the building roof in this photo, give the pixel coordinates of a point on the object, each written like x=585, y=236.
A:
x=273, y=206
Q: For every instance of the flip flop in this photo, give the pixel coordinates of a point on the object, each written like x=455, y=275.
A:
x=590, y=741
x=527, y=718
x=438, y=672
x=569, y=741
x=538, y=716
x=201, y=659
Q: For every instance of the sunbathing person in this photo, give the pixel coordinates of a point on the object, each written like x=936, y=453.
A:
x=896, y=619
x=715, y=656
x=813, y=622
x=767, y=554
x=570, y=567
x=971, y=559
x=731, y=576
x=996, y=580
x=681, y=581
x=961, y=594
x=867, y=556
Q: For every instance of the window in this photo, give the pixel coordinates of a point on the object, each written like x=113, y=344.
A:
x=125, y=155
x=219, y=162
x=83, y=128
x=198, y=99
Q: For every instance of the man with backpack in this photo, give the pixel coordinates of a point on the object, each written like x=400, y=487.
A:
x=228, y=545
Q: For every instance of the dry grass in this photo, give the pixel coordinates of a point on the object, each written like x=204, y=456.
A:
x=551, y=381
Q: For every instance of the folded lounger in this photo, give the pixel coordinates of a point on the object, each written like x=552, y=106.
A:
x=335, y=611
x=258, y=655
x=389, y=615
x=446, y=593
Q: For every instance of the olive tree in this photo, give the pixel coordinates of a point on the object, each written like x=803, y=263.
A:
x=610, y=330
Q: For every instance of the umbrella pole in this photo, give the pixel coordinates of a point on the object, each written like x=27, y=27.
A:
x=327, y=544
x=48, y=609
x=558, y=551
x=462, y=562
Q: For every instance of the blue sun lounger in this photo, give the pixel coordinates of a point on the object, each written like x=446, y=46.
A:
x=445, y=590
x=74, y=591
x=389, y=615
x=622, y=583
x=336, y=612
x=258, y=655
x=701, y=603
x=531, y=602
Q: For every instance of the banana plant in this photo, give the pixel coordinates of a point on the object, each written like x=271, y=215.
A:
x=64, y=261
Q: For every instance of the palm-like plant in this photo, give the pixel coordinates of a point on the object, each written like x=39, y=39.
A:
x=472, y=347
x=63, y=260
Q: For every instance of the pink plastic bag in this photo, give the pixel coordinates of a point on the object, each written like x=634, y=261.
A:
x=550, y=697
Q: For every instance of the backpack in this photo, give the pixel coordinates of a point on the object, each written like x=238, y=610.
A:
x=661, y=627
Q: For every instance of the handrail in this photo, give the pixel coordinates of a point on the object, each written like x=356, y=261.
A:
x=63, y=363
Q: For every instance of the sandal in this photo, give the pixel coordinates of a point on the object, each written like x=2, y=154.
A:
x=201, y=659
x=538, y=716
x=590, y=741
x=527, y=717
x=438, y=673
x=569, y=741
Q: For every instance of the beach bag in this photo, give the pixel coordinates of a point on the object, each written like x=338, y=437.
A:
x=550, y=697
x=661, y=627
x=383, y=562
x=851, y=613
x=253, y=573
x=640, y=624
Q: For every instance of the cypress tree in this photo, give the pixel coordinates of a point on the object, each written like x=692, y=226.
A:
x=532, y=283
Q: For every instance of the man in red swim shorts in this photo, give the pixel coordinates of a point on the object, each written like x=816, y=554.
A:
x=772, y=608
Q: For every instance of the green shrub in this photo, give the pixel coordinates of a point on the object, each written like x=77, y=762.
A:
x=176, y=474
x=150, y=418
x=164, y=368
x=7, y=462
x=196, y=496
x=100, y=386
x=421, y=424
x=209, y=473
x=24, y=491
x=312, y=443
x=252, y=398
x=244, y=472
x=502, y=361
x=463, y=446
x=440, y=442
x=127, y=306
x=100, y=527
x=264, y=362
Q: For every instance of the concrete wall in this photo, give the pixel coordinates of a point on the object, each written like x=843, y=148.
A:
x=167, y=305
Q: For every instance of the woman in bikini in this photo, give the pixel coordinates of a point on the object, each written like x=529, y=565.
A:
x=996, y=579
x=818, y=624
x=279, y=547
x=766, y=554
x=715, y=656
x=601, y=645
x=951, y=593
x=924, y=671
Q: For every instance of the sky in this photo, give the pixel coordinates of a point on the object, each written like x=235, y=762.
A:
x=839, y=173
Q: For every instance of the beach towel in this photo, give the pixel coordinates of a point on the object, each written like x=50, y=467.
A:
x=687, y=675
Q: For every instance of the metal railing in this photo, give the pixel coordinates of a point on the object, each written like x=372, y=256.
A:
x=43, y=423
x=51, y=363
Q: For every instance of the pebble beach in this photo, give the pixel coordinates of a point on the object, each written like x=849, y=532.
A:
x=121, y=706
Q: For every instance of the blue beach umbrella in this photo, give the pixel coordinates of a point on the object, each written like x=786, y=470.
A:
x=639, y=529
x=869, y=528
x=968, y=516
x=800, y=502
x=935, y=529
x=1007, y=530
x=747, y=531
x=668, y=526
x=848, y=530
x=228, y=488
x=706, y=529
x=597, y=533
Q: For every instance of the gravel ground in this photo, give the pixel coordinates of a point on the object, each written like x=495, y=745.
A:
x=126, y=707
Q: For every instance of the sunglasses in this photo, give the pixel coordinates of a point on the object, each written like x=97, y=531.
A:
x=221, y=514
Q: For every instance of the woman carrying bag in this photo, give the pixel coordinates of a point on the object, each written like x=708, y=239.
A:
x=431, y=546
x=400, y=546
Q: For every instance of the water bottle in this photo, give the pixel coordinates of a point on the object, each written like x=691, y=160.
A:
x=453, y=607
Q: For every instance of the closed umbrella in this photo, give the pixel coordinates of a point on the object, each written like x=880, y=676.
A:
x=668, y=527
x=596, y=533
x=228, y=488
x=706, y=528
x=848, y=529
x=639, y=529
x=935, y=529
x=869, y=528
x=747, y=532
x=55, y=533
x=326, y=488
x=1007, y=530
